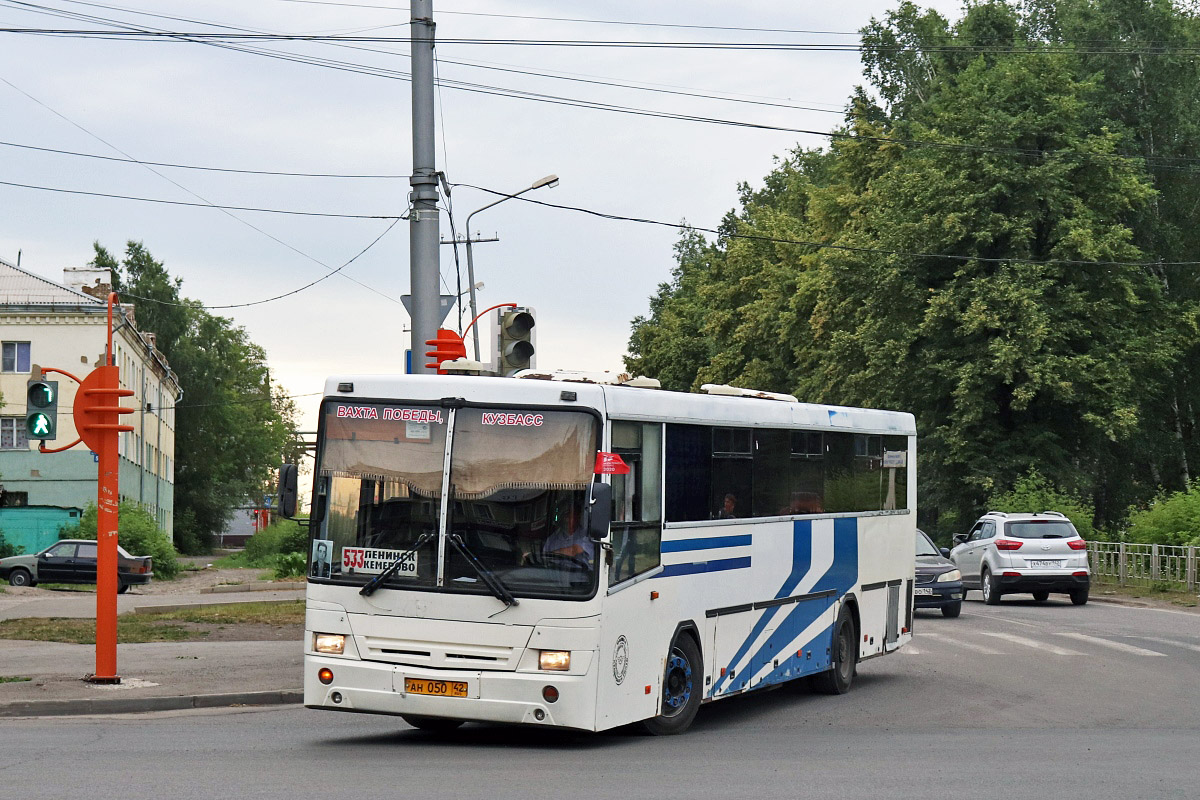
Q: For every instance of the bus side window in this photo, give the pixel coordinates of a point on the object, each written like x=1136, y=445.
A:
x=637, y=511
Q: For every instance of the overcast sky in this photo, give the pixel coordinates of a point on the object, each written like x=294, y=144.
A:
x=199, y=104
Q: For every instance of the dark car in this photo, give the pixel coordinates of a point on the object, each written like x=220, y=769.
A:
x=939, y=583
x=73, y=561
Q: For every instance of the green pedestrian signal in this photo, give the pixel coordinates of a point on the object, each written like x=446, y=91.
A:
x=41, y=410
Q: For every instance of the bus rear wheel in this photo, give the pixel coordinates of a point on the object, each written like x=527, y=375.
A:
x=837, y=679
x=431, y=724
x=682, y=688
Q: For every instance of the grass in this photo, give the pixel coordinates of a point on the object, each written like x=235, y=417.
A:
x=13, y=679
x=171, y=626
x=1173, y=596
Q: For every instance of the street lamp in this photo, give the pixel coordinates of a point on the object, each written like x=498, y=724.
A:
x=549, y=180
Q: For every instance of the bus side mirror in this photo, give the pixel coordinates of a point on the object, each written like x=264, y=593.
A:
x=287, y=490
x=599, y=511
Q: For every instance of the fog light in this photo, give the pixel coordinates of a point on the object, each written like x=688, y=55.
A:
x=336, y=697
x=538, y=714
x=331, y=643
x=325, y=675
x=550, y=694
x=554, y=659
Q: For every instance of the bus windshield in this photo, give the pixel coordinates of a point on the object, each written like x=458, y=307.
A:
x=517, y=483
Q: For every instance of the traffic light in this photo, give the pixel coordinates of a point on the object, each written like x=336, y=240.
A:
x=516, y=340
x=41, y=410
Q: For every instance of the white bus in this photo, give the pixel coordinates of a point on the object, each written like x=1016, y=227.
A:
x=568, y=553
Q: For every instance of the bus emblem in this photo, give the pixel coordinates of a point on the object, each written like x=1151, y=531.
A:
x=620, y=659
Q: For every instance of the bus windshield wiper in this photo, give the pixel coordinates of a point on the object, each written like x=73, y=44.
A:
x=490, y=578
x=369, y=588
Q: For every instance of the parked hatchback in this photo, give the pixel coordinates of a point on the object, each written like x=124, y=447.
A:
x=1014, y=553
x=938, y=581
x=73, y=561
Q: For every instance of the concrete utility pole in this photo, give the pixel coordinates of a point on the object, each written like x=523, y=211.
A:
x=423, y=235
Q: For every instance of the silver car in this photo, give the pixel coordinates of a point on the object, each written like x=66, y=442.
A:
x=1013, y=553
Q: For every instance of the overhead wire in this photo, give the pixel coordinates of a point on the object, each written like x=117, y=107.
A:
x=170, y=165
x=272, y=299
x=215, y=206
x=616, y=108
x=826, y=245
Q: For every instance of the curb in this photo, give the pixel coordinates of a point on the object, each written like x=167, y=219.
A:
x=190, y=606
x=252, y=587
x=134, y=705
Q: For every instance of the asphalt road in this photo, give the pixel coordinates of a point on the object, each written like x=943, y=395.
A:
x=1021, y=700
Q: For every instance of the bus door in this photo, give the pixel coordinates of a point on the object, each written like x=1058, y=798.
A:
x=636, y=629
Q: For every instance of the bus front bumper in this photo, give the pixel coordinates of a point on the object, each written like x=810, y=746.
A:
x=493, y=696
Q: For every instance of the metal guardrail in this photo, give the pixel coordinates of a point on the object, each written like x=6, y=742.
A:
x=1150, y=565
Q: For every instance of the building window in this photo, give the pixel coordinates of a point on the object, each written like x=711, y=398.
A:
x=16, y=357
x=12, y=434
x=14, y=499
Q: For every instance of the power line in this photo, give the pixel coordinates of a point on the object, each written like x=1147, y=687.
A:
x=576, y=19
x=173, y=182
x=1033, y=48
x=827, y=245
x=198, y=205
x=278, y=296
x=194, y=166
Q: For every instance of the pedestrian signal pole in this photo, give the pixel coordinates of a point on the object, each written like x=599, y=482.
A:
x=97, y=420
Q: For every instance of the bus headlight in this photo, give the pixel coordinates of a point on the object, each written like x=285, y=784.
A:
x=331, y=643
x=952, y=575
x=554, y=659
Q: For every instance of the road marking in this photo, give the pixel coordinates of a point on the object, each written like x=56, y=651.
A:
x=978, y=648
x=1036, y=645
x=996, y=616
x=1170, y=642
x=911, y=650
x=1124, y=648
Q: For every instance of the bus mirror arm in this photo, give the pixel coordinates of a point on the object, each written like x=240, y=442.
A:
x=599, y=511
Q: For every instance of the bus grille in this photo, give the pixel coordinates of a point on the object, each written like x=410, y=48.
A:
x=448, y=655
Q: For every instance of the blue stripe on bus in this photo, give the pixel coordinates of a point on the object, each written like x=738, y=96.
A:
x=801, y=563
x=840, y=577
x=719, y=565
x=681, y=545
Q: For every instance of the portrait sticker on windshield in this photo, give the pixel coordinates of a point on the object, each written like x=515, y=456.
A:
x=368, y=559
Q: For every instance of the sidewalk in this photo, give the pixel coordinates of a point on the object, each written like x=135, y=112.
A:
x=156, y=676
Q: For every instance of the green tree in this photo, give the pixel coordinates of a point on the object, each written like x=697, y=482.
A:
x=1172, y=519
x=1032, y=493
x=1015, y=150
x=232, y=425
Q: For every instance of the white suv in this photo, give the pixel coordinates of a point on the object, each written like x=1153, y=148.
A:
x=1037, y=553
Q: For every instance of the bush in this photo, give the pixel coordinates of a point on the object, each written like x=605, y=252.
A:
x=137, y=532
x=7, y=549
x=1033, y=493
x=290, y=565
x=276, y=539
x=1170, y=519
x=189, y=539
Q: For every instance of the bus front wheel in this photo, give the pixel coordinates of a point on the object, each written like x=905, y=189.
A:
x=682, y=688
x=844, y=657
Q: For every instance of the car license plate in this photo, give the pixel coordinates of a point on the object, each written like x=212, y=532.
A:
x=1043, y=563
x=437, y=688
x=923, y=590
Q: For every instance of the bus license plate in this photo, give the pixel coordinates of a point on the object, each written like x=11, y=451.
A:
x=923, y=590
x=437, y=688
